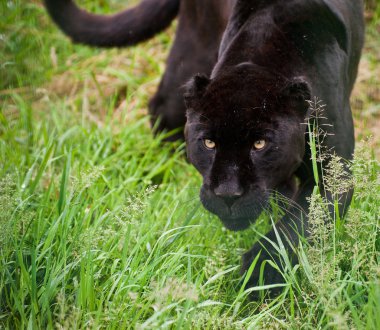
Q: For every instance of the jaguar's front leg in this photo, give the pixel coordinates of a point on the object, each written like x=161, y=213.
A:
x=278, y=244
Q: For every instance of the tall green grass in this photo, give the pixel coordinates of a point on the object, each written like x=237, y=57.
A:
x=100, y=222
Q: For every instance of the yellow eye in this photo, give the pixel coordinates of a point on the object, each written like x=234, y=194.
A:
x=259, y=144
x=209, y=144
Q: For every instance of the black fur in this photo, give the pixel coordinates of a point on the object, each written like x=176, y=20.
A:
x=255, y=64
x=274, y=56
x=200, y=27
x=123, y=29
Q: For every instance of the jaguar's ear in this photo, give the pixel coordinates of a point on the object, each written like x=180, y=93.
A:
x=298, y=93
x=195, y=89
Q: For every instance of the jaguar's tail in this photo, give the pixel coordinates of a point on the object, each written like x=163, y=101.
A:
x=126, y=28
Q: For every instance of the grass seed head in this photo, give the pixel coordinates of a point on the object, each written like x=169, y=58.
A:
x=337, y=179
x=173, y=289
x=8, y=202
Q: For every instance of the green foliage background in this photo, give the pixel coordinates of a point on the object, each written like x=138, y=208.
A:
x=100, y=223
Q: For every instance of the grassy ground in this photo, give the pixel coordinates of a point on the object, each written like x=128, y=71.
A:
x=100, y=223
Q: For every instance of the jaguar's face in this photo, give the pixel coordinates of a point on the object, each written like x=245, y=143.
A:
x=246, y=139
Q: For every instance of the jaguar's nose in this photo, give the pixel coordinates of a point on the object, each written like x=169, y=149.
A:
x=229, y=193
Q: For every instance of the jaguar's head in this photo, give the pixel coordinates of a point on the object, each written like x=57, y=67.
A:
x=246, y=137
